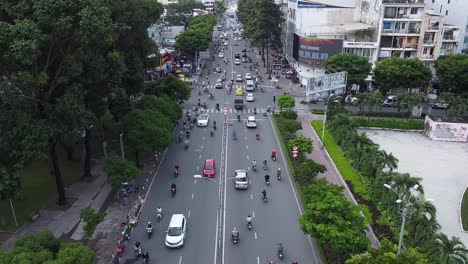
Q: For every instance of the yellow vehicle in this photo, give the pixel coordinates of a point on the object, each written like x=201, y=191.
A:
x=239, y=92
x=184, y=78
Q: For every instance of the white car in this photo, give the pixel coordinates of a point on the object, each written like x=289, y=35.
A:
x=239, y=78
x=250, y=97
x=203, y=120
x=241, y=179
x=226, y=43
x=248, y=76
x=251, y=122
x=237, y=62
x=221, y=55
x=175, y=233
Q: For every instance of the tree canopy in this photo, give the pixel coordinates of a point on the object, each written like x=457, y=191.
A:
x=453, y=73
x=43, y=247
x=179, y=14
x=197, y=36
x=119, y=171
x=357, y=67
x=400, y=73
x=330, y=217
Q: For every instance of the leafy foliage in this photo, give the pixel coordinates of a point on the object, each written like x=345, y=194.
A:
x=408, y=101
x=92, y=219
x=452, y=72
x=308, y=171
x=197, y=36
x=119, y=171
x=171, y=86
x=447, y=250
x=43, y=247
x=146, y=130
x=357, y=67
x=302, y=143
x=289, y=114
x=456, y=104
x=164, y=104
x=400, y=73
x=286, y=101
x=330, y=217
x=369, y=101
x=179, y=14
x=386, y=254
x=390, y=123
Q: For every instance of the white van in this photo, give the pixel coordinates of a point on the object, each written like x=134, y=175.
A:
x=250, y=87
x=175, y=233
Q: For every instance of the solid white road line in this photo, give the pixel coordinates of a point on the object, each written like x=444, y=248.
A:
x=193, y=195
x=188, y=215
x=258, y=260
x=253, y=214
x=180, y=260
x=255, y=235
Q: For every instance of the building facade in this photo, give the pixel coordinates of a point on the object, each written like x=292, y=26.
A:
x=456, y=14
x=165, y=2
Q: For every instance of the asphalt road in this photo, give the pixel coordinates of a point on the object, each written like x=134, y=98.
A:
x=214, y=207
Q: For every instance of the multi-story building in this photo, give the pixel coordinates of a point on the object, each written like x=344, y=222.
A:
x=165, y=2
x=376, y=29
x=455, y=12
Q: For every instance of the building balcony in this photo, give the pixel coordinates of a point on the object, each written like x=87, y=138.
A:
x=449, y=38
x=433, y=28
x=428, y=43
x=427, y=57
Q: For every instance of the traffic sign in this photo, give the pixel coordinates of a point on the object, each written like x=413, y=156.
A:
x=295, y=148
x=294, y=155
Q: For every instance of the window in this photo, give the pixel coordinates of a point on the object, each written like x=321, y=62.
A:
x=414, y=10
x=448, y=2
x=446, y=12
x=433, y=1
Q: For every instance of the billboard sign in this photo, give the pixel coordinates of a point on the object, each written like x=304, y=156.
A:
x=314, y=51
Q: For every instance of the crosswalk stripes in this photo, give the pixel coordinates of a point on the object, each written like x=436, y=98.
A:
x=230, y=110
x=212, y=86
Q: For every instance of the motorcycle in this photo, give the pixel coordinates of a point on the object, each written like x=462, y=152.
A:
x=265, y=199
x=145, y=261
x=267, y=181
x=278, y=175
x=158, y=216
x=149, y=231
x=180, y=138
x=280, y=251
x=261, y=89
x=137, y=251
x=257, y=136
x=173, y=191
x=273, y=157
x=217, y=107
x=249, y=225
x=214, y=126
x=211, y=133
x=186, y=145
x=234, y=136
x=187, y=134
x=255, y=110
x=176, y=172
x=235, y=239
x=254, y=167
x=265, y=167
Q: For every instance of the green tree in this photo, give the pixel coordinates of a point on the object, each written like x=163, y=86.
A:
x=302, y=143
x=453, y=73
x=400, y=73
x=119, y=171
x=456, y=104
x=370, y=101
x=341, y=127
x=308, y=171
x=119, y=104
x=43, y=247
x=179, y=14
x=286, y=101
x=164, y=104
x=386, y=254
x=408, y=101
x=448, y=251
x=146, y=130
x=170, y=86
x=331, y=218
x=357, y=67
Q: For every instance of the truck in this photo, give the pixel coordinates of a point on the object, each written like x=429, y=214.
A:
x=238, y=104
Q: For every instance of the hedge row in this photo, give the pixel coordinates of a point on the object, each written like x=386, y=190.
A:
x=343, y=165
x=318, y=111
x=390, y=123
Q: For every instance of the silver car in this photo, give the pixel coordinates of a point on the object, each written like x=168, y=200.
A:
x=241, y=180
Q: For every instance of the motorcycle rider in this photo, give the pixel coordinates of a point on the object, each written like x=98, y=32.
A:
x=137, y=248
x=176, y=169
x=267, y=178
x=235, y=232
x=173, y=188
x=159, y=211
x=234, y=134
x=278, y=172
x=254, y=164
x=257, y=134
x=265, y=163
x=264, y=193
x=145, y=256
x=273, y=154
x=186, y=143
x=214, y=124
x=248, y=219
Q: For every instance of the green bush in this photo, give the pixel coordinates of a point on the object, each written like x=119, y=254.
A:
x=318, y=111
x=384, y=114
x=343, y=165
x=92, y=219
x=367, y=213
x=289, y=114
x=290, y=125
x=119, y=171
x=390, y=123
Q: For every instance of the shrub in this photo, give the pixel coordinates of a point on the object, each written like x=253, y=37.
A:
x=308, y=171
x=318, y=111
x=385, y=114
x=290, y=125
x=391, y=123
x=119, y=171
x=343, y=165
x=289, y=114
x=92, y=219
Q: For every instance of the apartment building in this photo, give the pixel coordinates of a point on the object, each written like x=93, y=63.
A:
x=209, y=5
x=456, y=14
x=165, y=2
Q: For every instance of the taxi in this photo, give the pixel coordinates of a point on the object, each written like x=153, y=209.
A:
x=239, y=92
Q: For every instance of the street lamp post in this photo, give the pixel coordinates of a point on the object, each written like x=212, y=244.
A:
x=122, y=146
x=405, y=211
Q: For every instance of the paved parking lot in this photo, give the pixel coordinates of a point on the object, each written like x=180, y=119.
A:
x=443, y=166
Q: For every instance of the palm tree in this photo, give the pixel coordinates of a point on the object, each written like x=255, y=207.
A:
x=341, y=126
x=409, y=101
x=422, y=226
x=374, y=99
x=449, y=251
x=376, y=161
x=360, y=144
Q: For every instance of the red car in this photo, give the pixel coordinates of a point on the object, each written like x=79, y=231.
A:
x=209, y=169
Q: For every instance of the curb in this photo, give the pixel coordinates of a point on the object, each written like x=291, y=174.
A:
x=393, y=129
